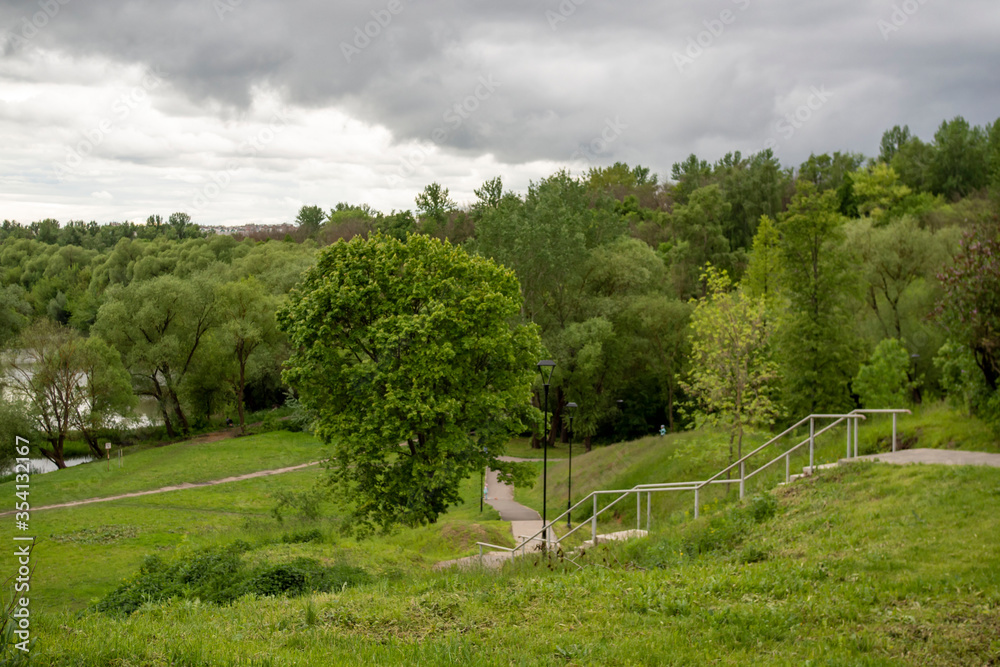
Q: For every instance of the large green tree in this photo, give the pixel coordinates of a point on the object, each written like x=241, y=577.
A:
x=817, y=336
x=247, y=328
x=159, y=327
x=407, y=353
x=733, y=376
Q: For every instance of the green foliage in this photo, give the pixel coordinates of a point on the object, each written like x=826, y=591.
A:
x=310, y=219
x=732, y=374
x=67, y=382
x=160, y=327
x=762, y=279
x=962, y=378
x=409, y=342
x=959, y=164
x=892, y=141
x=14, y=312
x=819, y=350
x=884, y=381
x=699, y=227
x=306, y=504
x=14, y=422
x=220, y=575
x=434, y=207
x=970, y=306
x=723, y=532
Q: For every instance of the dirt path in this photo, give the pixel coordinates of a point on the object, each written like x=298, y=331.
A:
x=178, y=487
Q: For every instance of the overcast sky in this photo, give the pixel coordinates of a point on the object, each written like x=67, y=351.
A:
x=244, y=110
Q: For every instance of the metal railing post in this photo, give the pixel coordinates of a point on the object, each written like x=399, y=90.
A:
x=480, y=555
x=848, y=439
x=788, y=469
x=638, y=510
x=857, y=427
x=696, y=503
x=743, y=473
x=812, y=443
x=649, y=508
x=893, y=431
x=593, y=523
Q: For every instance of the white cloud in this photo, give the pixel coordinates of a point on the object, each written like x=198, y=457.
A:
x=80, y=116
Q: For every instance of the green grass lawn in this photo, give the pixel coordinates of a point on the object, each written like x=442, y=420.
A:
x=865, y=565
x=83, y=552
x=697, y=455
x=171, y=465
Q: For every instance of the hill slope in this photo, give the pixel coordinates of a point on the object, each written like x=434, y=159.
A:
x=867, y=565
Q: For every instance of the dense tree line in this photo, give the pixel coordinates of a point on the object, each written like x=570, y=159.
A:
x=824, y=262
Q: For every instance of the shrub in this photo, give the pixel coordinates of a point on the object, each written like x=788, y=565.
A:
x=219, y=575
x=884, y=381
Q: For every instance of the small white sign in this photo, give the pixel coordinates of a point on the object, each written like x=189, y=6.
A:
x=107, y=445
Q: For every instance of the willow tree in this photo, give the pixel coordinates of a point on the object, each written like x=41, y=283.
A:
x=410, y=355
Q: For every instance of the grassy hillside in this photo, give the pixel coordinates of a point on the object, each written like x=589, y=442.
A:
x=171, y=465
x=865, y=565
x=700, y=454
x=84, y=552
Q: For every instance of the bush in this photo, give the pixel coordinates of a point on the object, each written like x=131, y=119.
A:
x=219, y=575
x=314, y=535
x=884, y=381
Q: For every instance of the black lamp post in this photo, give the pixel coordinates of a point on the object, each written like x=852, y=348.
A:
x=569, y=494
x=545, y=368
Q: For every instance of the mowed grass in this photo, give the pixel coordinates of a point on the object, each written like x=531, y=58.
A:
x=698, y=455
x=84, y=552
x=868, y=564
x=171, y=465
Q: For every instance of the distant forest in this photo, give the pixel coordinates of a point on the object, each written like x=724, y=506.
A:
x=874, y=280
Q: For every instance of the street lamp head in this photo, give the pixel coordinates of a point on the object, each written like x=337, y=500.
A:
x=572, y=406
x=619, y=402
x=545, y=368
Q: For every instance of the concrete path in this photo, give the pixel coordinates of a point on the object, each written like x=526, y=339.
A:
x=933, y=456
x=524, y=521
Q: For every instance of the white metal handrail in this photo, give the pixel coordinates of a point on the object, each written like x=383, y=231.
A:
x=696, y=486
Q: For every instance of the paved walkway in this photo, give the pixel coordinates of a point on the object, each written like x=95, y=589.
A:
x=524, y=521
x=934, y=456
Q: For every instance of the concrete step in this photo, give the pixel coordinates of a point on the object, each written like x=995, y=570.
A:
x=620, y=535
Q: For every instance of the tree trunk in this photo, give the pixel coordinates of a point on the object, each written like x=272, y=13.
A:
x=555, y=414
x=239, y=397
x=586, y=442
x=56, y=453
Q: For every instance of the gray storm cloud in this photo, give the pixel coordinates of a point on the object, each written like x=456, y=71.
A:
x=683, y=77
